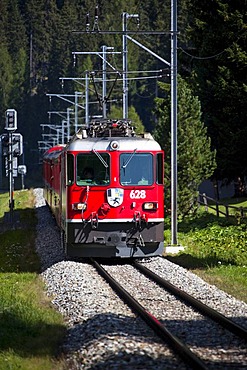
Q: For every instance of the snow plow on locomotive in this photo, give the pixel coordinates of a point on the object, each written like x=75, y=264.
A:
x=105, y=189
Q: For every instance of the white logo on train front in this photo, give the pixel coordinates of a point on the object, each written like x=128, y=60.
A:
x=115, y=196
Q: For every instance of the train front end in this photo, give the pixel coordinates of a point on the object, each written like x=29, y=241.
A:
x=113, y=197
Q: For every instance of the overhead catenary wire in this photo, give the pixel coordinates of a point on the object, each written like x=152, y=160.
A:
x=202, y=58
x=213, y=55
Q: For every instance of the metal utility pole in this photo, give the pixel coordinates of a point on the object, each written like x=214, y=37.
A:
x=125, y=17
x=63, y=122
x=11, y=178
x=125, y=64
x=68, y=123
x=173, y=122
x=104, y=49
x=87, y=99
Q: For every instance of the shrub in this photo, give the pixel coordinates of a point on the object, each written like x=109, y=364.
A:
x=222, y=244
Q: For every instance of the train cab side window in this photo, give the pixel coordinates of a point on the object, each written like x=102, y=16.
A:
x=159, y=169
x=70, y=169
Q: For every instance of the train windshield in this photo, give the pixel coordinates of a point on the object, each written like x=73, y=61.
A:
x=136, y=169
x=92, y=169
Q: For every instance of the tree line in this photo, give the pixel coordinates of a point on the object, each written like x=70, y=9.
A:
x=37, y=39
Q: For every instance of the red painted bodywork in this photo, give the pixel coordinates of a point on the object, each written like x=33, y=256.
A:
x=62, y=196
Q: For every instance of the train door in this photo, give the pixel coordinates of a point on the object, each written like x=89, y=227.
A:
x=51, y=183
x=67, y=182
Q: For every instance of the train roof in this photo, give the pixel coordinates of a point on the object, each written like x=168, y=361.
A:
x=123, y=144
x=105, y=135
x=55, y=150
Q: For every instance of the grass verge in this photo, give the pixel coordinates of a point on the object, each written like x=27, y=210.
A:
x=30, y=329
x=231, y=279
x=215, y=249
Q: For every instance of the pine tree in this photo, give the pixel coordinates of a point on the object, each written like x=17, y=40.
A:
x=217, y=33
x=6, y=81
x=41, y=20
x=196, y=160
x=18, y=50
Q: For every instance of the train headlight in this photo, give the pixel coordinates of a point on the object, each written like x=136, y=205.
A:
x=79, y=206
x=150, y=206
x=114, y=145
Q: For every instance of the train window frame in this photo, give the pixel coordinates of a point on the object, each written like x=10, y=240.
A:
x=70, y=177
x=160, y=169
x=97, y=162
x=141, y=178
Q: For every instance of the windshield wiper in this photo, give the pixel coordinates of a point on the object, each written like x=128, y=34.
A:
x=100, y=158
x=129, y=159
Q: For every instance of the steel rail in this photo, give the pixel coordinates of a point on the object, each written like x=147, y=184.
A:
x=204, y=309
x=178, y=346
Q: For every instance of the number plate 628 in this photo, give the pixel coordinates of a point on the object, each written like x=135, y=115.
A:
x=138, y=194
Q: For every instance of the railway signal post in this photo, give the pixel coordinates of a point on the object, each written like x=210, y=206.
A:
x=11, y=126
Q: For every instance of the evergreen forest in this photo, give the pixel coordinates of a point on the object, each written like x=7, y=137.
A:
x=47, y=46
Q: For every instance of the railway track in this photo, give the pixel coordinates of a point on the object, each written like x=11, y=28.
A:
x=179, y=346
x=204, y=309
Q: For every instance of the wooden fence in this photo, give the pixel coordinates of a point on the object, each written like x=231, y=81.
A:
x=217, y=207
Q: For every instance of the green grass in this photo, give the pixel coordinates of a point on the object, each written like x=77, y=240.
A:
x=215, y=249
x=17, y=253
x=230, y=278
x=4, y=203
x=234, y=277
x=30, y=329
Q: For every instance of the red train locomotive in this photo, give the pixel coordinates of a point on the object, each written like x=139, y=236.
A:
x=105, y=188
